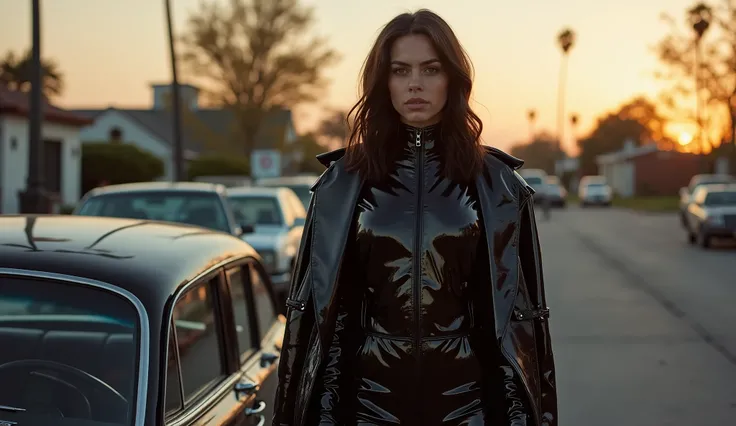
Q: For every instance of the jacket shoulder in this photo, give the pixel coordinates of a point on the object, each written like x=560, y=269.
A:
x=507, y=165
x=505, y=158
x=327, y=158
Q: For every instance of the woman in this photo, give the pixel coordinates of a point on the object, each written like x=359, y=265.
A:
x=417, y=298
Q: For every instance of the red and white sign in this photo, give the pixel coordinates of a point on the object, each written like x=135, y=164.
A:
x=265, y=163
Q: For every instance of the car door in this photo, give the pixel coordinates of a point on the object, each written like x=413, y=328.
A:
x=204, y=384
x=259, y=367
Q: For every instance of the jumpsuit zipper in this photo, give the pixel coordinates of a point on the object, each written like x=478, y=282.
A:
x=418, y=255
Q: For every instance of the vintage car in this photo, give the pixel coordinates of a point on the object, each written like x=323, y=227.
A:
x=108, y=321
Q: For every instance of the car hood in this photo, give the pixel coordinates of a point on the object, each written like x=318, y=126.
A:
x=722, y=210
x=265, y=237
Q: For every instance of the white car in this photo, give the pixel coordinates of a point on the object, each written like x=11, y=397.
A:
x=277, y=217
x=536, y=178
x=594, y=190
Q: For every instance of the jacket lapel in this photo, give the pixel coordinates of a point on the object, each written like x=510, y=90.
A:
x=334, y=205
x=499, y=208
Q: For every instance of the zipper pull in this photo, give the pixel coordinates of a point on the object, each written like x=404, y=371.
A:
x=419, y=138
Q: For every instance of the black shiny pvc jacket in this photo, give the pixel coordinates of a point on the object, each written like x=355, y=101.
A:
x=418, y=301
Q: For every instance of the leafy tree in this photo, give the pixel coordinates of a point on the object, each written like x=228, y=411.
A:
x=717, y=67
x=541, y=153
x=637, y=120
x=335, y=128
x=15, y=74
x=256, y=54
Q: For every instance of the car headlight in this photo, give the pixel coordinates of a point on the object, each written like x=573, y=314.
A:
x=269, y=260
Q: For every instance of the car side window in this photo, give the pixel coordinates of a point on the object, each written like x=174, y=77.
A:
x=262, y=300
x=198, y=340
x=237, y=278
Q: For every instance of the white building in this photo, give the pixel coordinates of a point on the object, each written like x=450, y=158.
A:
x=60, y=145
x=203, y=129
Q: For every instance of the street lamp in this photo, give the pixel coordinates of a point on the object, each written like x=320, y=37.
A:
x=566, y=40
x=35, y=199
x=699, y=17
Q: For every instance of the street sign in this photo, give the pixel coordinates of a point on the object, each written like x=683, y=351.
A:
x=265, y=163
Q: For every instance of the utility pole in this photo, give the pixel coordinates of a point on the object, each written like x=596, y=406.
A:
x=176, y=102
x=34, y=199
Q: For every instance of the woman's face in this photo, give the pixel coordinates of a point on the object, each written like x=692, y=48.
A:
x=417, y=82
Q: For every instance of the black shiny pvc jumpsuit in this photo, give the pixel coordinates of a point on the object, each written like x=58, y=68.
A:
x=408, y=326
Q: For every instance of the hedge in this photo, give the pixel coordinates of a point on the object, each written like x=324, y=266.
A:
x=218, y=165
x=116, y=163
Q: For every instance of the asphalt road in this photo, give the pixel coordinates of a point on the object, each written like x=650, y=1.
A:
x=644, y=325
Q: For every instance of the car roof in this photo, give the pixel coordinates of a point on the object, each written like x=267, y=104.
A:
x=158, y=186
x=718, y=187
x=274, y=191
x=288, y=180
x=150, y=259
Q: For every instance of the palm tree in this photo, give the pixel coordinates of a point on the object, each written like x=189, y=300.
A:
x=566, y=40
x=531, y=115
x=700, y=17
x=15, y=74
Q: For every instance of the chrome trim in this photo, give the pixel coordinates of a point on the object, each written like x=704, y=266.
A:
x=145, y=332
x=194, y=411
x=9, y=408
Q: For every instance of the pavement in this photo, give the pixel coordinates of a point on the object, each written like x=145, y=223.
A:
x=643, y=324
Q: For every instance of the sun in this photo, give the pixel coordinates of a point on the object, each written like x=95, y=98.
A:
x=684, y=138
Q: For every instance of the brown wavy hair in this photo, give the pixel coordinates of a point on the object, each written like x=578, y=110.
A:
x=376, y=128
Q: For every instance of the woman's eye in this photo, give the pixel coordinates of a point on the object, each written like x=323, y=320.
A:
x=432, y=70
x=399, y=71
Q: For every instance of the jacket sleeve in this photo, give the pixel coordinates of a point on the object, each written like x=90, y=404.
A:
x=531, y=264
x=297, y=335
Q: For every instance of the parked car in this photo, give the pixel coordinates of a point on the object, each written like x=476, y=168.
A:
x=536, y=178
x=594, y=190
x=711, y=214
x=301, y=185
x=133, y=323
x=276, y=218
x=194, y=203
x=686, y=192
x=555, y=192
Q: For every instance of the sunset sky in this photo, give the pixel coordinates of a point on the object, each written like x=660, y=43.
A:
x=111, y=50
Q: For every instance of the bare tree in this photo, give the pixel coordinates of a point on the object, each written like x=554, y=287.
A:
x=253, y=55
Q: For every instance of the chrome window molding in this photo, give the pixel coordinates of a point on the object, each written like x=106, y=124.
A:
x=225, y=385
x=139, y=414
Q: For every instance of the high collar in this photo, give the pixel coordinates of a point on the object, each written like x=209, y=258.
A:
x=425, y=135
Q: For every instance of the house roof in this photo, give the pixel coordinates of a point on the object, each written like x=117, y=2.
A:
x=218, y=122
x=18, y=103
x=626, y=154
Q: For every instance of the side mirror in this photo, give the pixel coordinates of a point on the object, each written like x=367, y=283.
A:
x=247, y=229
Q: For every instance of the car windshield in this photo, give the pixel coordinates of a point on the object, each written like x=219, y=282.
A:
x=595, y=185
x=256, y=210
x=534, y=180
x=194, y=208
x=68, y=350
x=724, y=198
